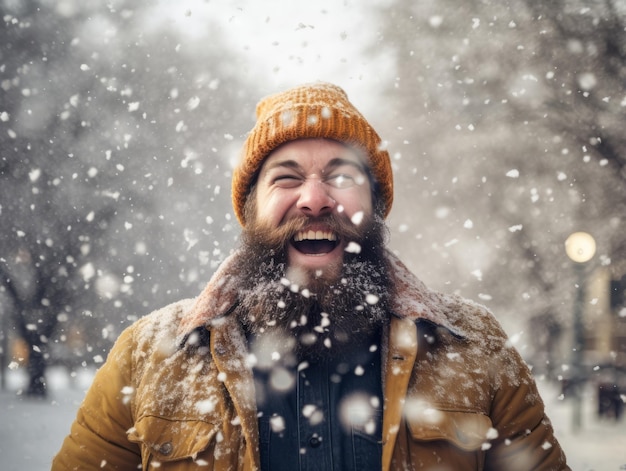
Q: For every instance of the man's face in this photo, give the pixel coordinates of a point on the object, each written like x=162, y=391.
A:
x=314, y=178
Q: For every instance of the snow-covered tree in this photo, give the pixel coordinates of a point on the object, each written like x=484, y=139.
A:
x=500, y=147
x=115, y=141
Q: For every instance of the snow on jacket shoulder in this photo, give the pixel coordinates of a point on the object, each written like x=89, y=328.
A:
x=157, y=404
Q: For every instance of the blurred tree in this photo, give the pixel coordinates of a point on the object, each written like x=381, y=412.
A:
x=44, y=237
x=581, y=59
x=115, y=136
x=582, y=54
x=480, y=144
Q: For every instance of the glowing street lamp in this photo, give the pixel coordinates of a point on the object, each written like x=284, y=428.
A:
x=580, y=248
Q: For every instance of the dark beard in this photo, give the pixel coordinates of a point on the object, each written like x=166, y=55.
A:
x=324, y=315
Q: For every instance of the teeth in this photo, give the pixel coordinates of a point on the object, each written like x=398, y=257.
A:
x=315, y=235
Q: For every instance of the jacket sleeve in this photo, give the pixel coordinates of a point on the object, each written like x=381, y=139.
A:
x=525, y=435
x=98, y=436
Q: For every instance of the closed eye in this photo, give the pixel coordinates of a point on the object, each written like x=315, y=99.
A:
x=287, y=181
x=345, y=180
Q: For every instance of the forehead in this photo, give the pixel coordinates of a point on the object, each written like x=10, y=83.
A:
x=313, y=155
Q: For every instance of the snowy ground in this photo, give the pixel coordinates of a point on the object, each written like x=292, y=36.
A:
x=32, y=431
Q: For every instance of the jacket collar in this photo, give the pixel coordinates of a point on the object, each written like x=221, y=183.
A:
x=411, y=299
x=218, y=298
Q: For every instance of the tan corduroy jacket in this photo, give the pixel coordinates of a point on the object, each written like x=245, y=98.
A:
x=457, y=395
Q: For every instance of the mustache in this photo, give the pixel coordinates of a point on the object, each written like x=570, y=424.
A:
x=276, y=238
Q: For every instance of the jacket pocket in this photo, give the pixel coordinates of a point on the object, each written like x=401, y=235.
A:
x=468, y=431
x=165, y=439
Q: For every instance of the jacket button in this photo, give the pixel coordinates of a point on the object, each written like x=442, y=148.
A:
x=166, y=448
x=315, y=441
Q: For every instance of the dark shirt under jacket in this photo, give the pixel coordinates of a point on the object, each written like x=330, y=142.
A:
x=330, y=419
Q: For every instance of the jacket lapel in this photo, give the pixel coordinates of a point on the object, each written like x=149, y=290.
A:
x=397, y=368
x=229, y=350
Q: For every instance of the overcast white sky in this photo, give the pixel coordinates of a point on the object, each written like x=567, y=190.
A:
x=287, y=42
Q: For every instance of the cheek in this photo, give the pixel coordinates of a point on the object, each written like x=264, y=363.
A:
x=356, y=201
x=272, y=208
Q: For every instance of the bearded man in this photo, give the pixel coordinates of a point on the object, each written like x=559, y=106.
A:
x=313, y=347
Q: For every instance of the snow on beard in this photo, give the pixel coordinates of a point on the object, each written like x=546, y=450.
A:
x=314, y=312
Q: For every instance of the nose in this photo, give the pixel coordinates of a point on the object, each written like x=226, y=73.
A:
x=315, y=199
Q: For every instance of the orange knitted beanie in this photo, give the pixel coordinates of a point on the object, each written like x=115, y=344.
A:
x=309, y=111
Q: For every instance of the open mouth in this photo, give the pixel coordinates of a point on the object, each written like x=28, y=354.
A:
x=312, y=242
